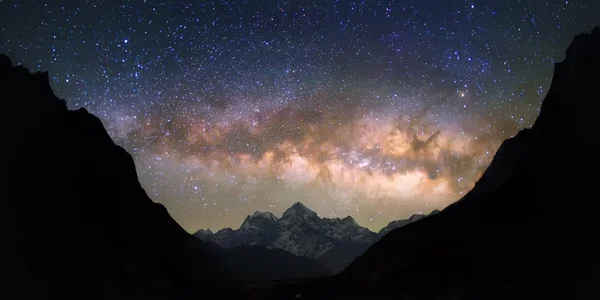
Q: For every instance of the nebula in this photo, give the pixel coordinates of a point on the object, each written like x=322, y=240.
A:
x=349, y=158
x=373, y=109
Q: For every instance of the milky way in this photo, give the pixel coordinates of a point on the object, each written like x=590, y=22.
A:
x=375, y=109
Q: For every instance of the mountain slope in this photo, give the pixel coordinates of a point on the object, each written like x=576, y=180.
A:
x=400, y=223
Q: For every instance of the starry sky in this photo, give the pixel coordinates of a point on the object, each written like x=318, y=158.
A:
x=374, y=109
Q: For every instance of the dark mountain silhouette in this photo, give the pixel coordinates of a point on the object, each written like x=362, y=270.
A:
x=335, y=242
x=400, y=223
x=251, y=263
x=77, y=224
x=528, y=229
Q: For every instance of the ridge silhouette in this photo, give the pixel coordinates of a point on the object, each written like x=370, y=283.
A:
x=77, y=223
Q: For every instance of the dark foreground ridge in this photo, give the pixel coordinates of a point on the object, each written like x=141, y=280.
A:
x=76, y=223
x=529, y=228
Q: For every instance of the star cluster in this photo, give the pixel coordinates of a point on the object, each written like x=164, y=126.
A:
x=375, y=109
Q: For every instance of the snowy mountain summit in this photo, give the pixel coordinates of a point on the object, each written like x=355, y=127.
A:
x=335, y=242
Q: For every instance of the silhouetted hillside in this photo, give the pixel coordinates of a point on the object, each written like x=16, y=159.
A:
x=252, y=264
x=401, y=223
x=527, y=230
x=76, y=223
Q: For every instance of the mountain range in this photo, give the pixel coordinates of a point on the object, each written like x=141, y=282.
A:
x=300, y=231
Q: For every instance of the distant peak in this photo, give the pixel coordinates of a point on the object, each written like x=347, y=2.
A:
x=299, y=205
x=203, y=232
x=299, y=209
x=264, y=214
x=258, y=215
x=349, y=220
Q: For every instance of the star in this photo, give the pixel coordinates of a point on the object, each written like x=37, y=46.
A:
x=378, y=110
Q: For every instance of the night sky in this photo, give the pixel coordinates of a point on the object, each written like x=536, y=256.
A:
x=375, y=109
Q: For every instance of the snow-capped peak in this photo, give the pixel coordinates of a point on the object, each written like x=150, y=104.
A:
x=300, y=210
x=350, y=220
x=265, y=214
x=259, y=220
